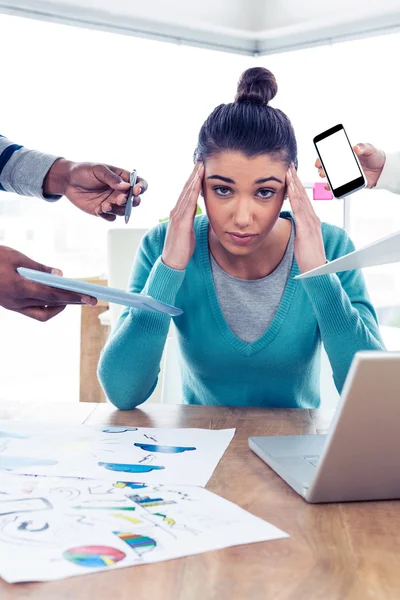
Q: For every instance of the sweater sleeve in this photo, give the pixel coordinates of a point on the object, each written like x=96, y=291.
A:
x=390, y=176
x=23, y=171
x=130, y=362
x=345, y=315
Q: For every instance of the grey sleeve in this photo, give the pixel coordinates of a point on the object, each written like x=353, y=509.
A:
x=23, y=171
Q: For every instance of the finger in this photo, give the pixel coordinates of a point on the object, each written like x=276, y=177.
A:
x=320, y=168
x=107, y=217
x=116, y=210
x=46, y=295
x=189, y=185
x=303, y=197
x=191, y=191
x=291, y=191
x=143, y=185
x=111, y=177
x=28, y=263
x=136, y=200
x=296, y=192
x=41, y=313
x=364, y=149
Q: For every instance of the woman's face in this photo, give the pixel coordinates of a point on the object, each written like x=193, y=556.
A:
x=243, y=198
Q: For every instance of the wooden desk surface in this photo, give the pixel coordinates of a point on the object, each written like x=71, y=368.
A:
x=340, y=551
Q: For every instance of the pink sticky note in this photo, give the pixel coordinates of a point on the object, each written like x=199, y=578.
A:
x=320, y=193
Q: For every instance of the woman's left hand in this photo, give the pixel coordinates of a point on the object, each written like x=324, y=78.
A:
x=309, y=248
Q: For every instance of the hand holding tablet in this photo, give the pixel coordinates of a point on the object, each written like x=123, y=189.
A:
x=100, y=292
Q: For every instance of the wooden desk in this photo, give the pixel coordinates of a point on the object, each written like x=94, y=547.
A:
x=335, y=552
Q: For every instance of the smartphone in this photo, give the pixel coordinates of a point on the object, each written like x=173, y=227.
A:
x=340, y=163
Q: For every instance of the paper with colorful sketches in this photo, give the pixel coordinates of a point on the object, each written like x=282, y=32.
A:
x=178, y=456
x=56, y=527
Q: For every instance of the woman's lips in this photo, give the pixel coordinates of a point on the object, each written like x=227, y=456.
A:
x=242, y=239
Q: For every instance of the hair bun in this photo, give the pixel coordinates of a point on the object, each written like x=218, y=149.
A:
x=256, y=85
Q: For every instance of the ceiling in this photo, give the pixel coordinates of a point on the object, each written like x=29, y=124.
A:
x=252, y=27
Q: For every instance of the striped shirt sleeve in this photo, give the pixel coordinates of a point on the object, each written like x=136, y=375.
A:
x=23, y=171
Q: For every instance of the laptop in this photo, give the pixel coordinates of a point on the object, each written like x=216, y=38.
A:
x=359, y=459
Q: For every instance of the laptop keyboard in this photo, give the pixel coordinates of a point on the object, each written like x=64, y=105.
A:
x=312, y=460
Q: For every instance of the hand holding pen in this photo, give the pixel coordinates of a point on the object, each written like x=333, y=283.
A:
x=116, y=203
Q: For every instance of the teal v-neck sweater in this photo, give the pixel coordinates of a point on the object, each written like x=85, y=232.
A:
x=280, y=369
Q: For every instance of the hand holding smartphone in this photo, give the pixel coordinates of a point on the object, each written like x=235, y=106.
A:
x=340, y=163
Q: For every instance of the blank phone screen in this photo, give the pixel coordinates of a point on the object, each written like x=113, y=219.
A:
x=339, y=162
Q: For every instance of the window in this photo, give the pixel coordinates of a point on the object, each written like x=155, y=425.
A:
x=140, y=103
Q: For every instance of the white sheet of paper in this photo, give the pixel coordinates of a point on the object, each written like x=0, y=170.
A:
x=62, y=527
x=381, y=252
x=178, y=456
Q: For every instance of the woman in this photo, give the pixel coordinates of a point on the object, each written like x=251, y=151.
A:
x=250, y=334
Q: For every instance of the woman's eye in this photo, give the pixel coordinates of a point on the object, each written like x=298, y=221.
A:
x=222, y=190
x=265, y=194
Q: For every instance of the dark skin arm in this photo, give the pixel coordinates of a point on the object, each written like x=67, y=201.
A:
x=95, y=188
x=28, y=298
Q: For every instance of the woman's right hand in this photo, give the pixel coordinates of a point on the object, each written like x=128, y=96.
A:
x=180, y=241
x=371, y=159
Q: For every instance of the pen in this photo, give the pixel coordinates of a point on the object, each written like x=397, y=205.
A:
x=128, y=207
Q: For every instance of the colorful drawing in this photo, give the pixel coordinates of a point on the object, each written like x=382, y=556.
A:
x=130, y=519
x=166, y=519
x=164, y=449
x=130, y=508
x=114, y=429
x=139, y=543
x=147, y=502
x=133, y=485
x=94, y=556
x=8, y=463
x=128, y=468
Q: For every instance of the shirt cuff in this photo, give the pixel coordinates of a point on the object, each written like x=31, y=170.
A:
x=331, y=304
x=390, y=176
x=25, y=172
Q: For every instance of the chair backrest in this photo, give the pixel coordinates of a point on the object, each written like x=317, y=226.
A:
x=171, y=390
x=122, y=245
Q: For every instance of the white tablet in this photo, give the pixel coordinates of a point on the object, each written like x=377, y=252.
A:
x=100, y=292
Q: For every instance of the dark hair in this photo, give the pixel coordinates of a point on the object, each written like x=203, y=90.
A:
x=249, y=124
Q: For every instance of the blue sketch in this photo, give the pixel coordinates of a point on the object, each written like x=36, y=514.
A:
x=164, y=449
x=8, y=463
x=129, y=468
x=11, y=434
x=114, y=429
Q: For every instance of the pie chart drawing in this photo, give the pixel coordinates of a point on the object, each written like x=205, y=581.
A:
x=94, y=556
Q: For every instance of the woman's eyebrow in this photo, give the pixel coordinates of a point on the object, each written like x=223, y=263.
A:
x=229, y=180
x=268, y=179
x=226, y=179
